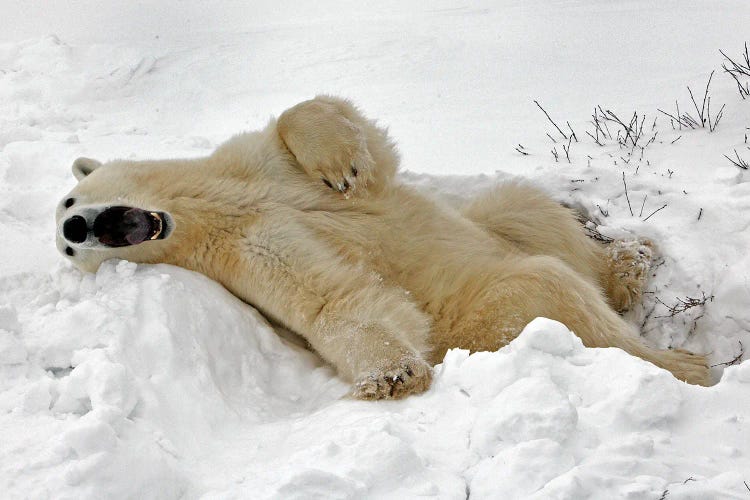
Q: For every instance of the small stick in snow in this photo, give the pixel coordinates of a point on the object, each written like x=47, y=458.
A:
x=598, y=125
x=700, y=213
x=734, y=361
x=717, y=119
x=743, y=90
x=745, y=70
x=626, y=193
x=573, y=134
x=567, y=149
x=596, y=139
x=643, y=204
x=679, y=121
x=741, y=163
x=680, y=137
x=683, y=305
x=737, y=70
x=555, y=154
x=702, y=111
x=604, y=120
x=657, y=210
x=550, y=119
x=520, y=149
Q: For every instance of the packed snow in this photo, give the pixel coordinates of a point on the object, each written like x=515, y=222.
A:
x=155, y=382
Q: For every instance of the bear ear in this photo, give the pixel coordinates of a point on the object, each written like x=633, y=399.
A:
x=84, y=166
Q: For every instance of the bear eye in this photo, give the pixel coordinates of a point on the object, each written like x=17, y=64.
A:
x=69, y=202
x=70, y=251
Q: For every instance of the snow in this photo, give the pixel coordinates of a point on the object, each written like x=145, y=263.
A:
x=154, y=382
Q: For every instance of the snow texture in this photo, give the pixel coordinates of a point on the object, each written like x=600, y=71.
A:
x=155, y=382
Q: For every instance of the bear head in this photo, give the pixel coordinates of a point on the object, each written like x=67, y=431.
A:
x=109, y=213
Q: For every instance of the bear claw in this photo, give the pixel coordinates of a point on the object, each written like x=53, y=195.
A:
x=410, y=376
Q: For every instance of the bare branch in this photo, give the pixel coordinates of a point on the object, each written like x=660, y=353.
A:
x=572, y=132
x=683, y=305
x=737, y=359
x=567, y=149
x=740, y=162
x=626, y=193
x=550, y=119
x=596, y=139
x=643, y=204
x=657, y=210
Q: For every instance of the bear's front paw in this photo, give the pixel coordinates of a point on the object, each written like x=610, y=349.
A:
x=347, y=170
x=397, y=380
x=328, y=145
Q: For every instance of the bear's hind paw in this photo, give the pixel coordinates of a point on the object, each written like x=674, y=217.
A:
x=629, y=262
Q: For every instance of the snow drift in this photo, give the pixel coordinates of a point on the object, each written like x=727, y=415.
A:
x=130, y=384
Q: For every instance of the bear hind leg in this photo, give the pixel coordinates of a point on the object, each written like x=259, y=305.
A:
x=544, y=286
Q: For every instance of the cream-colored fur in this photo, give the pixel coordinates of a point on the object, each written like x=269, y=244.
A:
x=305, y=221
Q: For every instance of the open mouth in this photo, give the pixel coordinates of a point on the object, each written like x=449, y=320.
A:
x=124, y=226
x=159, y=227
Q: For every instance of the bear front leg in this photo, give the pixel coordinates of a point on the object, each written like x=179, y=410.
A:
x=372, y=333
x=380, y=364
x=330, y=147
x=336, y=145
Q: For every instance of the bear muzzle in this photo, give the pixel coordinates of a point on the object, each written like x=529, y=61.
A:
x=117, y=226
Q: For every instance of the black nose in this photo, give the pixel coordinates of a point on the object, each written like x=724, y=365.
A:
x=75, y=230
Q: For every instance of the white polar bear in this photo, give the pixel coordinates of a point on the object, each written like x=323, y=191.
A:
x=305, y=221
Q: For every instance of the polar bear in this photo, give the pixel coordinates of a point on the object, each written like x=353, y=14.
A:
x=306, y=221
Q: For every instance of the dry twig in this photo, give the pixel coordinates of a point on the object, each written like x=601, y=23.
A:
x=739, y=162
x=683, y=305
x=738, y=70
x=626, y=194
x=550, y=119
x=737, y=359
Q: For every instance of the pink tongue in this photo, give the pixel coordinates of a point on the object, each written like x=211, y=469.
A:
x=140, y=224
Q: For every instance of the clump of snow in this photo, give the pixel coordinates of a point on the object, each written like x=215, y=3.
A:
x=154, y=382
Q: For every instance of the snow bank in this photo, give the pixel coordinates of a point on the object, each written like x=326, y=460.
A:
x=114, y=369
x=154, y=382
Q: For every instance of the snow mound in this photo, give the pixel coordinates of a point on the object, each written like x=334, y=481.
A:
x=153, y=381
